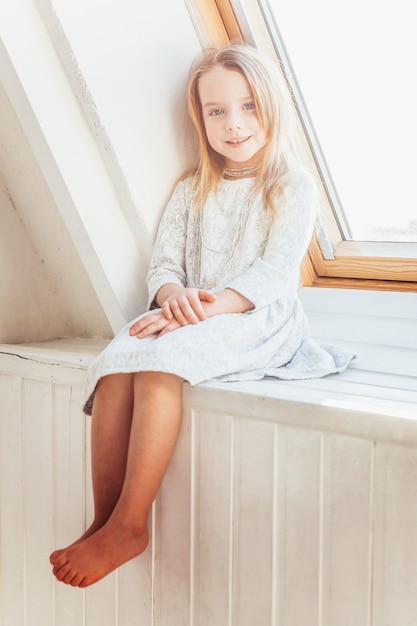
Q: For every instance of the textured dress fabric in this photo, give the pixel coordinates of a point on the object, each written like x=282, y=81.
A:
x=235, y=243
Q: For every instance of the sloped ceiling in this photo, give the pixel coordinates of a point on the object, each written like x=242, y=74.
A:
x=91, y=142
x=45, y=291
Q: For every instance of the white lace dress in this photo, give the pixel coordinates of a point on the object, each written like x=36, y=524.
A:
x=233, y=243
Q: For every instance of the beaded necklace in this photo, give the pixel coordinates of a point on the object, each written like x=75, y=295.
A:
x=230, y=252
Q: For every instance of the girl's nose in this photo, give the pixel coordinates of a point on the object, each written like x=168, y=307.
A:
x=233, y=123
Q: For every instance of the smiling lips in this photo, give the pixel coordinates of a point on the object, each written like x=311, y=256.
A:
x=237, y=141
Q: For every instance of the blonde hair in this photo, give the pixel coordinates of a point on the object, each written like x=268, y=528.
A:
x=276, y=113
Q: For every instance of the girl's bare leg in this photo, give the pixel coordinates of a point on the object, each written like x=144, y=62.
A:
x=110, y=431
x=153, y=434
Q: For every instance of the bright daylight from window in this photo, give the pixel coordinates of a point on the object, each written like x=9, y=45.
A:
x=355, y=66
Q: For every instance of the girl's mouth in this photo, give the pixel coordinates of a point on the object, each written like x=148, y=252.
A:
x=237, y=141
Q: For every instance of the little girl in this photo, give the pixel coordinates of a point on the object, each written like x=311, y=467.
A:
x=223, y=304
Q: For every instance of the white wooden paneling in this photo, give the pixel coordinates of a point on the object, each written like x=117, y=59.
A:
x=212, y=518
x=347, y=530
x=37, y=424
x=298, y=526
x=252, y=556
x=69, y=497
x=12, y=552
x=395, y=545
x=271, y=513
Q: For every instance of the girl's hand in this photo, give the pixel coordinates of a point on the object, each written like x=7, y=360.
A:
x=184, y=305
x=164, y=321
x=153, y=324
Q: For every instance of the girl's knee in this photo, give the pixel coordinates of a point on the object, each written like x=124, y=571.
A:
x=163, y=379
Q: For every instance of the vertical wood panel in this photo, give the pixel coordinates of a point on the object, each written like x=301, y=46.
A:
x=253, y=518
x=347, y=530
x=395, y=544
x=69, y=465
x=39, y=499
x=12, y=605
x=135, y=591
x=172, y=540
x=69, y=479
x=101, y=603
x=212, y=503
x=298, y=533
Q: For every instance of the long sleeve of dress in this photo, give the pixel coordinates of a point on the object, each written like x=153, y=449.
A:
x=168, y=258
x=276, y=274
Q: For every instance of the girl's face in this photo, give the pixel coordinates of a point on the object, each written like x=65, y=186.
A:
x=230, y=117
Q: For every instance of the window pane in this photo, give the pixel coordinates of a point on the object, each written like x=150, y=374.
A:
x=355, y=65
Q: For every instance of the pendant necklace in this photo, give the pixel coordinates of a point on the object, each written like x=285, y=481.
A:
x=229, y=253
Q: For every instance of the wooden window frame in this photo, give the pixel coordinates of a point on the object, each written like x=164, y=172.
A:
x=355, y=265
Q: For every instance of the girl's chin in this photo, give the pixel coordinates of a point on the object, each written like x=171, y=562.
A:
x=243, y=162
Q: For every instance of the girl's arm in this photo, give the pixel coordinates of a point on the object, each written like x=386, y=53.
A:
x=189, y=305
x=276, y=274
x=209, y=304
x=227, y=301
x=167, y=264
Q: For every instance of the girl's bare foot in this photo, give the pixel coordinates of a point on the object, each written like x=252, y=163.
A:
x=90, y=531
x=85, y=562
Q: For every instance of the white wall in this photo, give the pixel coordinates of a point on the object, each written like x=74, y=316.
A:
x=133, y=58
x=96, y=98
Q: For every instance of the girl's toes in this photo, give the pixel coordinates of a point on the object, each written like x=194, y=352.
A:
x=76, y=581
x=54, y=556
x=61, y=572
x=71, y=578
x=60, y=561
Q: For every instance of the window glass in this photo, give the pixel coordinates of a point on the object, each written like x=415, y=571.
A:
x=355, y=65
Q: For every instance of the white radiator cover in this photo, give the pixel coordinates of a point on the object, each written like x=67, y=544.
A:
x=273, y=513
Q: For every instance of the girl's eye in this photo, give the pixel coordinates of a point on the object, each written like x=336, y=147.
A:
x=216, y=112
x=249, y=105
